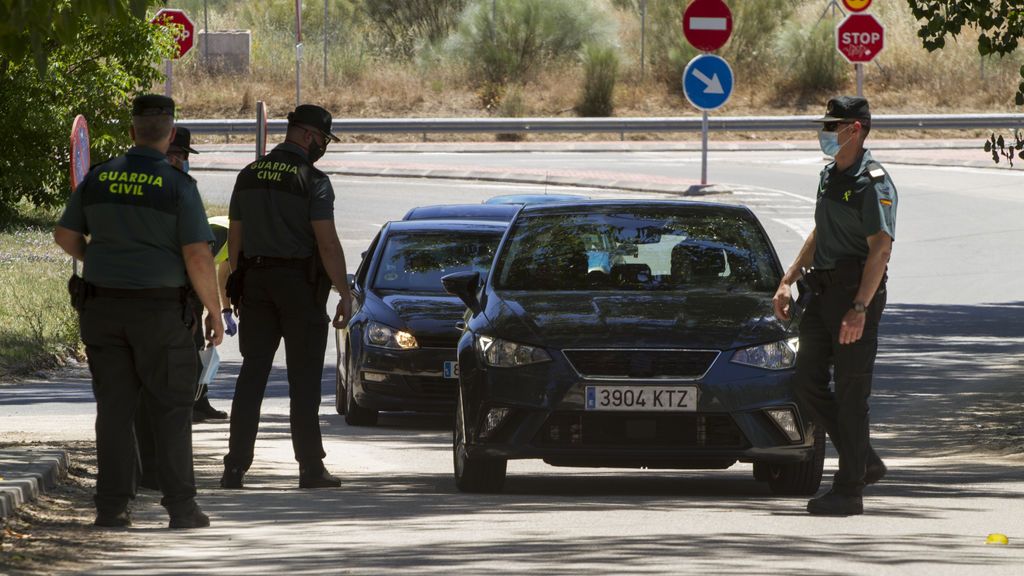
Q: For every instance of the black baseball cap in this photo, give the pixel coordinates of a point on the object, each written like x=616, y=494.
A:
x=314, y=116
x=183, y=140
x=846, y=108
x=152, y=105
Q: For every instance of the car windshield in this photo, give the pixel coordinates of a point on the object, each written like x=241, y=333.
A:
x=416, y=261
x=637, y=249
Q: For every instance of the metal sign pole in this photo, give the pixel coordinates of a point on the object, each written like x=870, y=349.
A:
x=206, y=40
x=325, y=44
x=860, y=79
x=298, y=52
x=167, y=77
x=704, y=149
x=643, y=35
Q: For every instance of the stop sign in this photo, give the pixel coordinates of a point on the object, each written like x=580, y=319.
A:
x=859, y=38
x=707, y=24
x=186, y=38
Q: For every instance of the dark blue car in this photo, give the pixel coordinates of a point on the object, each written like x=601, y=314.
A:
x=398, y=351
x=667, y=355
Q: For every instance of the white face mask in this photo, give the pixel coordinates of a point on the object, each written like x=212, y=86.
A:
x=829, y=141
x=184, y=166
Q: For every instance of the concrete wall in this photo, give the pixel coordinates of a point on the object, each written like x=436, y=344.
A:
x=229, y=50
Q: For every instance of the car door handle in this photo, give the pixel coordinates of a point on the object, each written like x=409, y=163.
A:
x=460, y=325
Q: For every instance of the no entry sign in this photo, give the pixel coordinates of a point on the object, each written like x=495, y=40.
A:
x=707, y=24
x=188, y=30
x=860, y=37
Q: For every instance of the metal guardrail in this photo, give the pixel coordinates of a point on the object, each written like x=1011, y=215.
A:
x=614, y=125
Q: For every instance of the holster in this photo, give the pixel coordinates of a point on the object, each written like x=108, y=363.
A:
x=192, y=308
x=79, y=291
x=236, y=281
x=813, y=280
x=315, y=267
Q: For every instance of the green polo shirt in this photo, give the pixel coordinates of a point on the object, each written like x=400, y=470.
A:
x=851, y=206
x=138, y=212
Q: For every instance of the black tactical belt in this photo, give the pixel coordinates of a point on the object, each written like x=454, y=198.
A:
x=139, y=294
x=269, y=262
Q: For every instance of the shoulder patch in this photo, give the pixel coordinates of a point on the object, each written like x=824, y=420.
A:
x=876, y=174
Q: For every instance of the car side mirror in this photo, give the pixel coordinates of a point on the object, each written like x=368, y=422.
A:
x=464, y=285
x=351, y=279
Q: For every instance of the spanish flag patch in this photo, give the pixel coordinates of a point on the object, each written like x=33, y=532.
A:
x=885, y=202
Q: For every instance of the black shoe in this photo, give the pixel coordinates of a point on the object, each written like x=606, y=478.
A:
x=321, y=480
x=232, y=478
x=194, y=518
x=835, y=504
x=875, y=471
x=120, y=520
x=204, y=411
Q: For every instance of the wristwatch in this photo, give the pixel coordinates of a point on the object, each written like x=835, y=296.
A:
x=859, y=308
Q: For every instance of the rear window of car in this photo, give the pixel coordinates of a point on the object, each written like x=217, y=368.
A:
x=643, y=249
x=416, y=261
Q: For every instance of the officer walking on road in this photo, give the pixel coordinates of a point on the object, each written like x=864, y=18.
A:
x=148, y=239
x=282, y=220
x=849, y=248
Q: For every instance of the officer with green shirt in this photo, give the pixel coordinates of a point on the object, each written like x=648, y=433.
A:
x=848, y=254
x=139, y=226
x=282, y=220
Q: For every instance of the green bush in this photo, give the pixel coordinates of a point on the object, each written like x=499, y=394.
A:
x=509, y=40
x=600, y=68
x=97, y=73
x=404, y=24
x=667, y=52
x=815, y=65
x=512, y=105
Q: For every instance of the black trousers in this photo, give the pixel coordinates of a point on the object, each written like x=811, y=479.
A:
x=844, y=412
x=141, y=351
x=280, y=303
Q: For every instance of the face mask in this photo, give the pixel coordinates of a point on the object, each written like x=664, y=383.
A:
x=829, y=142
x=316, y=151
x=184, y=166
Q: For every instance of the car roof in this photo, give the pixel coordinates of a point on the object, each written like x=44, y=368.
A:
x=533, y=198
x=608, y=205
x=496, y=212
x=447, y=226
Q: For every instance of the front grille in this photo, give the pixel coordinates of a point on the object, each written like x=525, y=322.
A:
x=439, y=341
x=433, y=388
x=641, y=364
x=675, y=430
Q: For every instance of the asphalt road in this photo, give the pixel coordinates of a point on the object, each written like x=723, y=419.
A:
x=952, y=352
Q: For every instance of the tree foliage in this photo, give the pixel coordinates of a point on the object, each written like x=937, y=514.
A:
x=1000, y=23
x=405, y=23
x=96, y=73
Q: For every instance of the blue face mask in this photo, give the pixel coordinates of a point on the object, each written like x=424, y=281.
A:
x=829, y=142
x=184, y=166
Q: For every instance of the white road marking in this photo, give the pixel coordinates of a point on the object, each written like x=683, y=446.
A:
x=802, y=226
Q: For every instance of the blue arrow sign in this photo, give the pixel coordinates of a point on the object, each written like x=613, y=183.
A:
x=707, y=81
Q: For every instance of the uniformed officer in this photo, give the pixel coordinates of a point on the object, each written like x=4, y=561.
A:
x=849, y=248
x=282, y=220
x=148, y=237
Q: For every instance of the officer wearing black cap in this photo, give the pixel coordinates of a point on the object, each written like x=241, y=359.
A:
x=844, y=262
x=148, y=237
x=282, y=220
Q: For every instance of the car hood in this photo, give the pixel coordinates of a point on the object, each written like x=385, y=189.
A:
x=695, y=319
x=429, y=317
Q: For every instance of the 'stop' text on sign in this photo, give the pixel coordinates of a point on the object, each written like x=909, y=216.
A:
x=860, y=37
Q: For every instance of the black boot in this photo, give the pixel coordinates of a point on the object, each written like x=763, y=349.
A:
x=232, y=478
x=317, y=477
x=875, y=470
x=121, y=519
x=836, y=504
x=191, y=518
x=202, y=411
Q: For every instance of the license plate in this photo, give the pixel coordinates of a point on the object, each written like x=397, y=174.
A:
x=642, y=398
x=451, y=369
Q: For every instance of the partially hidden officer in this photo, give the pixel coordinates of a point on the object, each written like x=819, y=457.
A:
x=282, y=220
x=147, y=238
x=847, y=254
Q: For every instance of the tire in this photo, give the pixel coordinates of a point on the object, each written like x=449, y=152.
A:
x=801, y=478
x=356, y=415
x=478, y=475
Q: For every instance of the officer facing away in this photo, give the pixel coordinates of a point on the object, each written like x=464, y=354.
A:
x=148, y=237
x=849, y=248
x=282, y=219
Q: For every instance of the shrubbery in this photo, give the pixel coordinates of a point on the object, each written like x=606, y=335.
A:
x=600, y=69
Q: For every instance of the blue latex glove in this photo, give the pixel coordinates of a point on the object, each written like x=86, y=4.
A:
x=230, y=328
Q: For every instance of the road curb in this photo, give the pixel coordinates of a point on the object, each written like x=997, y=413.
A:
x=27, y=472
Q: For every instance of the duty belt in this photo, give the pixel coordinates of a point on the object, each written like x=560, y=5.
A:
x=139, y=294
x=270, y=262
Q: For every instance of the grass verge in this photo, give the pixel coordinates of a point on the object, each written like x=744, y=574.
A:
x=38, y=326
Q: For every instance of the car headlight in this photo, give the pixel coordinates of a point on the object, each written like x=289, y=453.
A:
x=387, y=337
x=504, y=354
x=774, y=356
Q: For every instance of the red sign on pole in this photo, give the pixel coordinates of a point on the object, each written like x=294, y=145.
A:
x=188, y=32
x=860, y=37
x=79, y=150
x=707, y=24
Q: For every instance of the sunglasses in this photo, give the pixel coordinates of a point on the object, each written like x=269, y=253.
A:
x=833, y=126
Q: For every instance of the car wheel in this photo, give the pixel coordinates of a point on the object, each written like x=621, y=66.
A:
x=474, y=474
x=800, y=478
x=356, y=415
